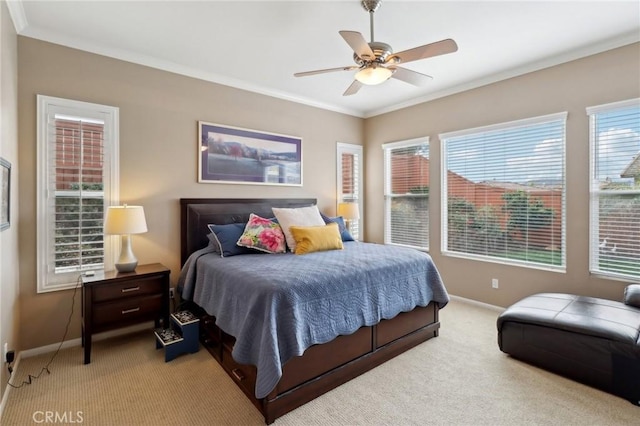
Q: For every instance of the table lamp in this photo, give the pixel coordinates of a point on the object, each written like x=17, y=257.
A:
x=349, y=212
x=124, y=221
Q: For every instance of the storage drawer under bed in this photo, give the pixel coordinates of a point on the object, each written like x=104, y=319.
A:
x=244, y=375
x=317, y=359
x=404, y=323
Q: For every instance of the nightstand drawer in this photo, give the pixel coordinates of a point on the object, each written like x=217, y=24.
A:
x=125, y=310
x=139, y=287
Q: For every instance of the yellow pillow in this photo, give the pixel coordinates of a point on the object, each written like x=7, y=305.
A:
x=316, y=238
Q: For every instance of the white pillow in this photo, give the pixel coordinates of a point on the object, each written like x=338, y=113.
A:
x=301, y=216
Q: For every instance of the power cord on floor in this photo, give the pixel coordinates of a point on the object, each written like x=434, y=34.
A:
x=31, y=377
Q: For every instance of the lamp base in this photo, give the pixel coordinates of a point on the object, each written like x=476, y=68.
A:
x=127, y=261
x=126, y=267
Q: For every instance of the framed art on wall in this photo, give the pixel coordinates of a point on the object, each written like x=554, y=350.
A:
x=235, y=155
x=5, y=187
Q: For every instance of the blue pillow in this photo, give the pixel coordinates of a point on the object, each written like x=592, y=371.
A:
x=344, y=232
x=226, y=237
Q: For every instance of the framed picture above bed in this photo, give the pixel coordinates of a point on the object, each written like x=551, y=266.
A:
x=5, y=188
x=242, y=156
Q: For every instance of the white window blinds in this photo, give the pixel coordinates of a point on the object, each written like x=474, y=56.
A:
x=406, y=180
x=75, y=185
x=504, y=192
x=615, y=189
x=76, y=180
x=350, y=181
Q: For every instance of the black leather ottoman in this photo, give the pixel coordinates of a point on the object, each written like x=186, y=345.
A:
x=594, y=341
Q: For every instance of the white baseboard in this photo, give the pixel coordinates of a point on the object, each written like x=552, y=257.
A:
x=77, y=342
x=476, y=303
x=7, y=389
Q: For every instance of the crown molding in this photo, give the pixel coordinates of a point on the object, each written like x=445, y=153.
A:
x=19, y=18
x=568, y=56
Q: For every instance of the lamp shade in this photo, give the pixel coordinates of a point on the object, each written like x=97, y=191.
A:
x=373, y=75
x=349, y=211
x=124, y=220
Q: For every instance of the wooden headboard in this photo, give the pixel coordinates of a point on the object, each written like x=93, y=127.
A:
x=197, y=213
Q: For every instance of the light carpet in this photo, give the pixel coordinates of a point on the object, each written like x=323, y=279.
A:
x=458, y=378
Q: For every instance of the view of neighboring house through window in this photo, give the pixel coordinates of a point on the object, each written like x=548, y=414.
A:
x=77, y=180
x=504, y=192
x=349, y=180
x=406, y=193
x=615, y=189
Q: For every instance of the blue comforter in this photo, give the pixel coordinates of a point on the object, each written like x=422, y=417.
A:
x=278, y=305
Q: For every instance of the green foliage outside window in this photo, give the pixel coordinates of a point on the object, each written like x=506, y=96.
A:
x=79, y=239
x=478, y=230
x=525, y=212
x=419, y=190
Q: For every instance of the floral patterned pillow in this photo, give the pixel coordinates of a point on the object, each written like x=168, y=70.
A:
x=262, y=234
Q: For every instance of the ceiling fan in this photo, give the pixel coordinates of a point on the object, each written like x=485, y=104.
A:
x=376, y=61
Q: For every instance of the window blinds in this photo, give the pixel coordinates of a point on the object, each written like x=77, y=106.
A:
x=504, y=192
x=349, y=181
x=615, y=189
x=407, y=193
x=76, y=193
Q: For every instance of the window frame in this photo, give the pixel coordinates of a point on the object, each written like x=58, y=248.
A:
x=510, y=125
x=595, y=192
x=47, y=280
x=356, y=151
x=388, y=196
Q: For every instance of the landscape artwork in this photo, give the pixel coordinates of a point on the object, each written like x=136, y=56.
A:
x=235, y=155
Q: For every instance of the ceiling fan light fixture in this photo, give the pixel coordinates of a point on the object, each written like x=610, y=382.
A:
x=373, y=75
x=376, y=62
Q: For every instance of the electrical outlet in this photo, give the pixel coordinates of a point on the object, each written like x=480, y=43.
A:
x=494, y=283
x=172, y=293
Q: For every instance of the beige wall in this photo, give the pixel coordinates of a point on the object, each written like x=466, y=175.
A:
x=159, y=112
x=607, y=77
x=9, y=307
x=158, y=132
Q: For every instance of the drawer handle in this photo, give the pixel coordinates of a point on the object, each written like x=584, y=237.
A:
x=127, y=290
x=237, y=373
x=128, y=311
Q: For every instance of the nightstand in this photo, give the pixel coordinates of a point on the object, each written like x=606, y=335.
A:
x=114, y=299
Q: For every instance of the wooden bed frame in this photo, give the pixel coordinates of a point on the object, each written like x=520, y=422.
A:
x=322, y=367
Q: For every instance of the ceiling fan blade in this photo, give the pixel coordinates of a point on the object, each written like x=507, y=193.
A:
x=353, y=88
x=410, y=76
x=306, y=73
x=358, y=44
x=441, y=47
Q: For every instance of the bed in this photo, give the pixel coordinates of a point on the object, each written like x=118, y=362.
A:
x=286, y=339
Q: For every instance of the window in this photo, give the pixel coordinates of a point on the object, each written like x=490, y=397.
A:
x=77, y=179
x=504, y=192
x=350, y=181
x=406, y=193
x=615, y=189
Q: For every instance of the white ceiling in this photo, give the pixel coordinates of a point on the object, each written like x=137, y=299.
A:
x=259, y=45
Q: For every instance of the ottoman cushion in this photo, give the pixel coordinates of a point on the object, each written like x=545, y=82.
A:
x=632, y=295
x=579, y=314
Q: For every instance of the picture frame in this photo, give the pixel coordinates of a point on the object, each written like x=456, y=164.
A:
x=235, y=155
x=5, y=194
